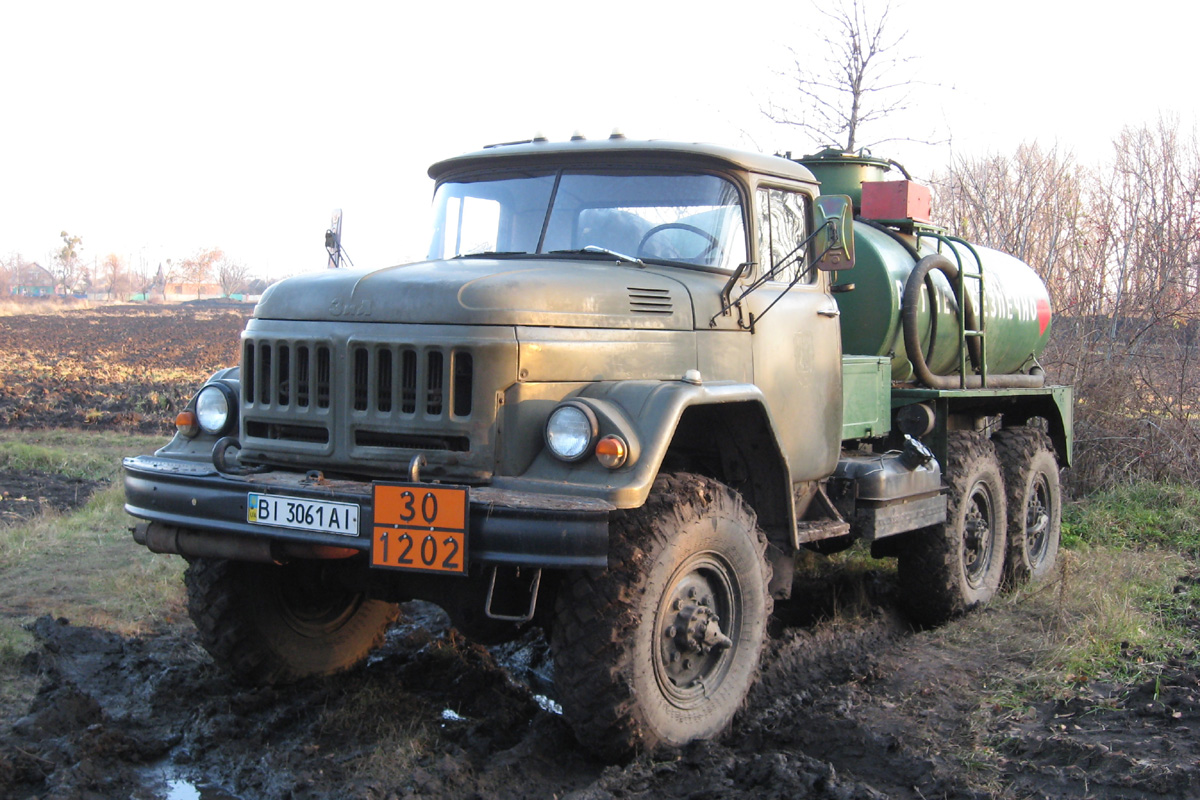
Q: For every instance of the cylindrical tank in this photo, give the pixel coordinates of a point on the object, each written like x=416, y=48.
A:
x=1016, y=309
x=1016, y=306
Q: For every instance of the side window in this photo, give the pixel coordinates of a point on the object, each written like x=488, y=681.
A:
x=782, y=231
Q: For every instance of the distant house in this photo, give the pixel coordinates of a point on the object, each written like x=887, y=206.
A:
x=33, y=280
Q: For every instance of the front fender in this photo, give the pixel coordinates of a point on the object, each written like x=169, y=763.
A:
x=647, y=415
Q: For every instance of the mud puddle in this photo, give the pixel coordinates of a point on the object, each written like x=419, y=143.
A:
x=861, y=709
x=25, y=494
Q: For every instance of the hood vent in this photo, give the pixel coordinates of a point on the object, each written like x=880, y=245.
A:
x=650, y=301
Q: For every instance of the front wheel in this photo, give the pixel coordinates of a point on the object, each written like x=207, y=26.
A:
x=947, y=569
x=662, y=647
x=268, y=623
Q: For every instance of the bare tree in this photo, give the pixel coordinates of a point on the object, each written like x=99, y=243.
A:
x=113, y=275
x=232, y=276
x=863, y=78
x=1032, y=204
x=10, y=273
x=67, y=265
x=199, y=268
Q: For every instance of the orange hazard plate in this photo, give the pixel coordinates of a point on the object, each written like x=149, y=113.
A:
x=420, y=526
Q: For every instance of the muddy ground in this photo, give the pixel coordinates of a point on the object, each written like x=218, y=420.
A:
x=862, y=709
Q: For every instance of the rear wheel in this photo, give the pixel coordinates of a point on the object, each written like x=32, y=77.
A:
x=947, y=569
x=1034, y=502
x=268, y=623
x=662, y=647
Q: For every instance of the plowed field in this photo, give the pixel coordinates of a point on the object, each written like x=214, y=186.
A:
x=116, y=367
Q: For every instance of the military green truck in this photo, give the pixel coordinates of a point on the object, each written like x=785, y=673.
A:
x=632, y=381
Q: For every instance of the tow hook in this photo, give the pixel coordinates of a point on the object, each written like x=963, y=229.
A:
x=220, y=458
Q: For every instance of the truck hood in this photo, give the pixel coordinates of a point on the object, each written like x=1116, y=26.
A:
x=476, y=291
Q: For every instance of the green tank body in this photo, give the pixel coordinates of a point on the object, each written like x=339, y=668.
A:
x=1016, y=304
x=1016, y=307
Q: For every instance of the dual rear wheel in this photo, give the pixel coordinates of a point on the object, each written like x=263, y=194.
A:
x=1003, y=525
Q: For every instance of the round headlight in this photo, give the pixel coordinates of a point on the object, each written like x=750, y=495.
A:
x=213, y=408
x=570, y=431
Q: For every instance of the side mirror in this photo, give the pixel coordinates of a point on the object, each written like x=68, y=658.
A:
x=834, y=239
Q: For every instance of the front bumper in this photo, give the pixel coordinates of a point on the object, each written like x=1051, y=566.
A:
x=512, y=528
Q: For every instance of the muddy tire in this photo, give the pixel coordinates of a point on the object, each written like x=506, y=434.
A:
x=947, y=569
x=1034, y=503
x=662, y=647
x=274, y=624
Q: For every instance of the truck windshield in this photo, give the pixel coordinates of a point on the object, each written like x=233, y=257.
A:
x=655, y=216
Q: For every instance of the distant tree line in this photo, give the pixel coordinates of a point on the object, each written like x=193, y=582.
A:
x=68, y=272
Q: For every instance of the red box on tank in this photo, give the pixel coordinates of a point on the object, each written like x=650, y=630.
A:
x=896, y=200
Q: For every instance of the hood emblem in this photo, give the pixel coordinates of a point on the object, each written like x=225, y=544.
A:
x=350, y=308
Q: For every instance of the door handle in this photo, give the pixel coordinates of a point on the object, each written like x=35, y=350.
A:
x=829, y=312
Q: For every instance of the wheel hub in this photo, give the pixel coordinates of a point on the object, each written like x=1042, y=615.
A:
x=1037, y=521
x=697, y=629
x=977, y=536
x=694, y=618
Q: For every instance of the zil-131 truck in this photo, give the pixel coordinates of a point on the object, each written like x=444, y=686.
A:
x=629, y=385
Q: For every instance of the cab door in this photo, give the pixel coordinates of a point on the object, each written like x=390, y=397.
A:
x=797, y=346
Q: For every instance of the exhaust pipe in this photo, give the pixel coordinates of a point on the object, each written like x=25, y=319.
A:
x=159, y=538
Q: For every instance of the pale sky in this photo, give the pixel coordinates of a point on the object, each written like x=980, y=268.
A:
x=153, y=130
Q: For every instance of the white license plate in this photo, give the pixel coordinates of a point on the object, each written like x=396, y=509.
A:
x=301, y=513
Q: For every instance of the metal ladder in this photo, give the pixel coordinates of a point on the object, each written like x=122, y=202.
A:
x=960, y=291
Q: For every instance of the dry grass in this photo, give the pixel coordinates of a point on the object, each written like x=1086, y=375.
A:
x=86, y=567
x=1082, y=624
x=41, y=306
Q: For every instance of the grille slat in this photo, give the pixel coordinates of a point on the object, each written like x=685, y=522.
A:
x=362, y=378
x=248, y=372
x=433, y=385
x=303, y=389
x=324, y=377
x=464, y=372
x=286, y=379
x=408, y=385
x=383, y=382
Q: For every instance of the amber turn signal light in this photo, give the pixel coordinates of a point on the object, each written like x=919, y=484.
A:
x=187, y=424
x=611, y=451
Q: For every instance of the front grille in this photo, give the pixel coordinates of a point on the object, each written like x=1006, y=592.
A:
x=365, y=406
x=386, y=377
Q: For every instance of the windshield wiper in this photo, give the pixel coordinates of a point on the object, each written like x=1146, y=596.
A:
x=493, y=254
x=603, y=251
